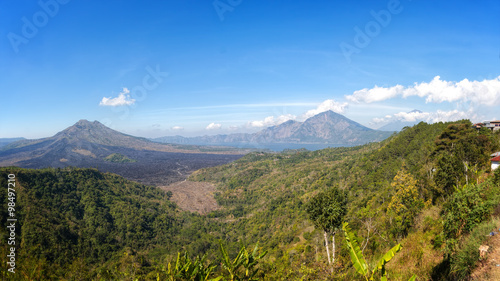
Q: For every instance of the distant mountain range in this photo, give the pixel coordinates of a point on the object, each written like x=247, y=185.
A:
x=398, y=125
x=6, y=141
x=324, y=128
x=91, y=144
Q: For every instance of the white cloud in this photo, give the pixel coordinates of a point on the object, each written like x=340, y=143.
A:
x=177, y=128
x=486, y=92
x=376, y=94
x=122, y=99
x=429, y=117
x=445, y=116
x=377, y=120
x=213, y=126
x=412, y=116
x=271, y=121
x=325, y=106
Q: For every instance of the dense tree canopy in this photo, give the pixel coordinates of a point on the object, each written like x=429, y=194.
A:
x=327, y=209
x=406, y=203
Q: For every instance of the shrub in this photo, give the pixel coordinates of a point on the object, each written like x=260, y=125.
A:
x=466, y=208
x=463, y=262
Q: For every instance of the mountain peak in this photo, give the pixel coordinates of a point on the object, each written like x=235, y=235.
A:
x=82, y=121
x=328, y=117
x=86, y=123
x=89, y=131
x=328, y=113
x=415, y=111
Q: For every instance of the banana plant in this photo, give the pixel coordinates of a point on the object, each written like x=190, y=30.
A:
x=175, y=271
x=250, y=262
x=231, y=266
x=359, y=261
x=201, y=272
x=357, y=258
x=186, y=269
x=244, y=259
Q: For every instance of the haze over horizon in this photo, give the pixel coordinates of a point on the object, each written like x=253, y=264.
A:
x=219, y=67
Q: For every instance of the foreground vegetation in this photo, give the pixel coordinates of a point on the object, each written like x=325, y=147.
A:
x=428, y=189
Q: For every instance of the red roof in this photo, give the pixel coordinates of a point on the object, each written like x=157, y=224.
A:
x=497, y=158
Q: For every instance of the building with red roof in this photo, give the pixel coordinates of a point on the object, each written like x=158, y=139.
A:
x=495, y=162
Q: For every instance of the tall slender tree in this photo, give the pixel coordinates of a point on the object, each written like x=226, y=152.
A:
x=327, y=210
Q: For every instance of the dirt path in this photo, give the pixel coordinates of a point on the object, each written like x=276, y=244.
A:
x=489, y=269
x=193, y=196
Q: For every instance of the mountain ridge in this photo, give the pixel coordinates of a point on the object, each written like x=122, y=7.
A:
x=324, y=128
x=98, y=134
x=88, y=144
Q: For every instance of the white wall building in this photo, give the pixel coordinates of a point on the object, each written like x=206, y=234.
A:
x=495, y=162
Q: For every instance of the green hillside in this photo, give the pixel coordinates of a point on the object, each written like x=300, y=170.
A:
x=264, y=196
x=119, y=158
x=429, y=188
x=77, y=218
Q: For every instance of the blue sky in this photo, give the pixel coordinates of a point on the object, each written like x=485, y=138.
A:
x=155, y=68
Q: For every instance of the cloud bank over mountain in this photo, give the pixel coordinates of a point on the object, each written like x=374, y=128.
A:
x=486, y=92
x=465, y=99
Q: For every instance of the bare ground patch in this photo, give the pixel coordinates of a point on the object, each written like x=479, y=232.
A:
x=193, y=196
x=489, y=268
x=84, y=152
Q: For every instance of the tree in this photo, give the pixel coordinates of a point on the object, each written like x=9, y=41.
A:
x=327, y=210
x=406, y=202
x=461, y=151
x=449, y=173
x=465, y=208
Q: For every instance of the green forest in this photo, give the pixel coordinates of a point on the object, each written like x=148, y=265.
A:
x=415, y=206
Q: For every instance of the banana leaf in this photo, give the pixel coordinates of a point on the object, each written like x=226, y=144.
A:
x=355, y=251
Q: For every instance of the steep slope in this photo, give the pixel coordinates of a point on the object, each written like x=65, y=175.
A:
x=284, y=132
x=81, y=218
